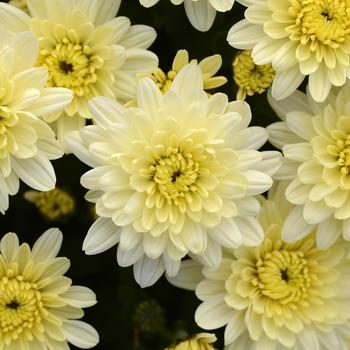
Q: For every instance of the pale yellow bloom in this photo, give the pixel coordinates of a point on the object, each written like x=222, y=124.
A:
x=209, y=67
x=314, y=138
x=300, y=38
x=201, y=341
x=174, y=175
x=54, y=205
x=86, y=49
x=27, y=144
x=39, y=307
x=251, y=78
x=277, y=295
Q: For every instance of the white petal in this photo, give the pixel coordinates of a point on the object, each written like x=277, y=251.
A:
x=297, y=101
x=80, y=334
x=79, y=296
x=189, y=275
x=139, y=36
x=213, y=313
x=200, y=13
x=13, y=18
x=148, y=271
x=319, y=84
x=102, y=235
x=9, y=245
x=251, y=231
x=295, y=227
x=328, y=233
x=47, y=245
x=286, y=82
x=149, y=97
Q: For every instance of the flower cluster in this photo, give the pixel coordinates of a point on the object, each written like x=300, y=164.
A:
x=181, y=180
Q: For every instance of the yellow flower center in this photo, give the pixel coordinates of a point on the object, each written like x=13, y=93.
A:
x=162, y=79
x=21, y=307
x=70, y=65
x=250, y=78
x=341, y=149
x=175, y=175
x=325, y=22
x=282, y=274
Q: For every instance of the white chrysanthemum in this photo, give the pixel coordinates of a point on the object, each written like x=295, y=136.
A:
x=201, y=13
x=39, y=307
x=86, y=50
x=175, y=175
x=209, y=67
x=26, y=142
x=300, y=38
x=315, y=141
x=277, y=295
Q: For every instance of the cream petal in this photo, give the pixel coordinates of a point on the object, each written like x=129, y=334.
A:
x=286, y=82
x=297, y=192
x=222, y=5
x=129, y=257
x=138, y=36
x=212, y=256
x=259, y=13
x=148, y=3
x=172, y=267
x=13, y=19
x=79, y=296
x=102, y=235
x=149, y=97
x=301, y=124
x=9, y=245
x=319, y=84
x=148, y=271
x=295, y=227
x=227, y=233
x=139, y=61
x=213, y=313
x=300, y=152
x=36, y=172
x=281, y=135
x=155, y=246
x=316, y=212
x=200, y=13
x=80, y=334
x=328, y=232
x=189, y=275
x=244, y=35
x=47, y=245
x=251, y=231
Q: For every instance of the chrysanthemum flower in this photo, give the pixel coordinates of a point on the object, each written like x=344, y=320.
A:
x=175, y=175
x=314, y=138
x=201, y=13
x=277, y=295
x=250, y=78
x=39, y=307
x=86, y=50
x=209, y=67
x=56, y=204
x=26, y=142
x=201, y=341
x=300, y=38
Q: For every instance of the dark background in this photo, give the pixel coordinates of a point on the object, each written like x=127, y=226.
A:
x=117, y=293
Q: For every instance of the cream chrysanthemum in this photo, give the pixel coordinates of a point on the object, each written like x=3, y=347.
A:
x=86, y=50
x=26, y=142
x=277, y=295
x=39, y=307
x=300, y=38
x=250, y=78
x=175, y=175
x=201, y=13
x=201, y=341
x=209, y=67
x=315, y=141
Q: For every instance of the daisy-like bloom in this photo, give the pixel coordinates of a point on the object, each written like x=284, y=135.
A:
x=21, y=4
x=277, y=295
x=201, y=341
x=26, y=142
x=315, y=139
x=54, y=205
x=175, y=175
x=300, y=38
x=209, y=67
x=86, y=50
x=201, y=13
x=250, y=78
x=39, y=307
